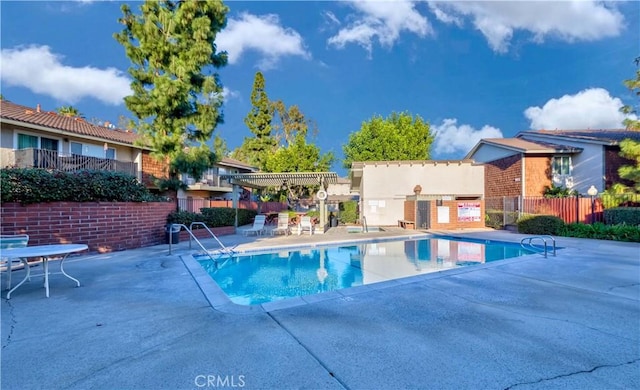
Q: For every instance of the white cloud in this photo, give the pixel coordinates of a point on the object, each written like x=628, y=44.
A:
x=331, y=18
x=228, y=94
x=589, y=109
x=451, y=138
x=41, y=71
x=383, y=21
x=567, y=20
x=263, y=34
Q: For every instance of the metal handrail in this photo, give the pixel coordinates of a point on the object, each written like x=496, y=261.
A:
x=544, y=241
x=225, y=249
x=365, y=227
x=180, y=226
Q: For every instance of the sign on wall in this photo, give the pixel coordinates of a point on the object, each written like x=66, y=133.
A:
x=469, y=212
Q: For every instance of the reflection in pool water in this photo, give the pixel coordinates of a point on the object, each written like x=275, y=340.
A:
x=265, y=277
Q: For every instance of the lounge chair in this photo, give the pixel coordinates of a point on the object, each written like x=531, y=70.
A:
x=9, y=264
x=258, y=226
x=305, y=224
x=283, y=224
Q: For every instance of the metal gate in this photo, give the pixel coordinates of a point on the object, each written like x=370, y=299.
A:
x=422, y=214
x=512, y=207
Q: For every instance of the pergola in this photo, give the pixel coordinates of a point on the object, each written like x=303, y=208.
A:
x=264, y=180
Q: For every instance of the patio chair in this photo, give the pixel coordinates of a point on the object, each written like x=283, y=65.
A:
x=283, y=224
x=10, y=264
x=305, y=224
x=258, y=226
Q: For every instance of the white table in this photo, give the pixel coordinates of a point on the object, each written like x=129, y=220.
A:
x=46, y=253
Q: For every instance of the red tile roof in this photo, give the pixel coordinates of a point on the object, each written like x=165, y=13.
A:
x=54, y=121
x=51, y=120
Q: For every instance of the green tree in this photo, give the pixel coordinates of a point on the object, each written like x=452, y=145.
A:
x=177, y=94
x=220, y=147
x=69, y=111
x=289, y=123
x=295, y=153
x=397, y=137
x=256, y=150
x=629, y=148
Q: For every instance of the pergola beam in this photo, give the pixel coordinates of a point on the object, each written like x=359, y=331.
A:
x=264, y=180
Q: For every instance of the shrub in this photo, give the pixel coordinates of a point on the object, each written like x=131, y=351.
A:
x=540, y=224
x=620, y=215
x=223, y=216
x=348, y=211
x=212, y=217
x=558, y=192
x=494, y=219
x=33, y=185
x=621, y=232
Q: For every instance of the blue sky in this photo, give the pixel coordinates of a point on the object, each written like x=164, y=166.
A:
x=472, y=69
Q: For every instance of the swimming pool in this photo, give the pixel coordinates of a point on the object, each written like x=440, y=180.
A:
x=251, y=279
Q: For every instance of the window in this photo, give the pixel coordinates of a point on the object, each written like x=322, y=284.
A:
x=76, y=148
x=561, y=165
x=49, y=144
x=110, y=153
x=27, y=141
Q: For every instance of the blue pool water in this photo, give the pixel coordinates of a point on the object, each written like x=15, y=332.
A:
x=251, y=279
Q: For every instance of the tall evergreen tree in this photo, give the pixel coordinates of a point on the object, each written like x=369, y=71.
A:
x=177, y=94
x=257, y=149
x=629, y=148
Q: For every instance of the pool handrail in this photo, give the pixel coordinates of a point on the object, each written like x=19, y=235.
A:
x=225, y=249
x=180, y=226
x=544, y=241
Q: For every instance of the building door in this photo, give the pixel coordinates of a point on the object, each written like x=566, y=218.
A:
x=422, y=214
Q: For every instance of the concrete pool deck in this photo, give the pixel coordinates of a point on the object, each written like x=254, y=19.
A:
x=140, y=321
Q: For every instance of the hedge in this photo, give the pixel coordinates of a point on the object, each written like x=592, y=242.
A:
x=35, y=185
x=213, y=217
x=540, y=224
x=619, y=215
x=348, y=211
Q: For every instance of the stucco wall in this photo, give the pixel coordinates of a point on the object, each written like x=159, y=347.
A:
x=486, y=153
x=385, y=186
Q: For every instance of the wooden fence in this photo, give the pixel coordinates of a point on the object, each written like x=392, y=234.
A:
x=570, y=210
x=194, y=205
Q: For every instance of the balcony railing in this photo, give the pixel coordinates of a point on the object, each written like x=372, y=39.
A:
x=49, y=159
x=209, y=181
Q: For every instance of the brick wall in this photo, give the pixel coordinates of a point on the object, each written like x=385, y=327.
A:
x=454, y=223
x=103, y=226
x=538, y=174
x=409, y=210
x=503, y=177
x=152, y=168
x=612, y=162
